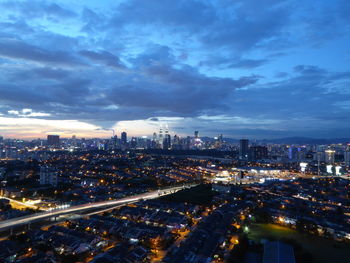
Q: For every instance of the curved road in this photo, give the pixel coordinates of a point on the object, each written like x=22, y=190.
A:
x=45, y=215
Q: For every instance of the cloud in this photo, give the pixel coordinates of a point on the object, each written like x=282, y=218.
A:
x=103, y=57
x=15, y=49
x=38, y=9
x=161, y=87
x=14, y=112
x=224, y=62
x=310, y=92
x=241, y=25
x=34, y=127
x=183, y=14
x=28, y=113
x=230, y=66
x=150, y=87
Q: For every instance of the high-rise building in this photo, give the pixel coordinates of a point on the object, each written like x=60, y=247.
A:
x=114, y=142
x=176, y=143
x=161, y=136
x=154, y=143
x=347, y=158
x=188, y=143
x=329, y=156
x=196, y=134
x=167, y=139
x=133, y=142
x=293, y=153
x=74, y=141
x=167, y=142
x=218, y=142
x=197, y=143
x=243, y=149
x=258, y=152
x=220, y=138
x=48, y=175
x=124, y=138
x=53, y=140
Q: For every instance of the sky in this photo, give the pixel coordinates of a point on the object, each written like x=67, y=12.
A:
x=241, y=68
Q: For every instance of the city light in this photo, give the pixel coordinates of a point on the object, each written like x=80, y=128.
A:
x=174, y=131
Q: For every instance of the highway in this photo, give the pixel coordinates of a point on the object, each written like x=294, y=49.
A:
x=14, y=222
x=14, y=202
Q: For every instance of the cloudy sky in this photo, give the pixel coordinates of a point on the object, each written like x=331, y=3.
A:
x=243, y=68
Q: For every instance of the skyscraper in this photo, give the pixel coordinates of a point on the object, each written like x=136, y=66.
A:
x=196, y=134
x=293, y=153
x=220, y=138
x=258, y=152
x=154, y=143
x=167, y=142
x=188, y=143
x=176, y=143
x=53, y=140
x=160, y=137
x=133, y=142
x=243, y=149
x=114, y=142
x=347, y=158
x=329, y=156
x=124, y=138
x=218, y=142
x=74, y=140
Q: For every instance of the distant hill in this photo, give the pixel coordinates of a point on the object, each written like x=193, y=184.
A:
x=288, y=140
x=306, y=140
x=296, y=140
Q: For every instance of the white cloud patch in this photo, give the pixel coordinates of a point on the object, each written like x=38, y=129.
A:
x=28, y=113
x=13, y=112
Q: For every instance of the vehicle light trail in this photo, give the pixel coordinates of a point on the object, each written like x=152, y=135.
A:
x=74, y=209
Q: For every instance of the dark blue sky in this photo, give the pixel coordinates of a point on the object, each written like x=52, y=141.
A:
x=251, y=68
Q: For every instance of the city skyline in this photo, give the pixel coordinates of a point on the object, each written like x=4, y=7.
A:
x=251, y=69
x=167, y=131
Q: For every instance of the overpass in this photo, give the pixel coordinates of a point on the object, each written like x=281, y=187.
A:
x=26, y=220
x=15, y=203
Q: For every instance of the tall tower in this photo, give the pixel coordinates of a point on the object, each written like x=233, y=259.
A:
x=243, y=149
x=74, y=140
x=293, y=153
x=161, y=136
x=347, y=158
x=124, y=138
x=154, y=136
x=167, y=142
x=53, y=140
x=330, y=154
x=220, y=138
x=196, y=134
x=133, y=143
